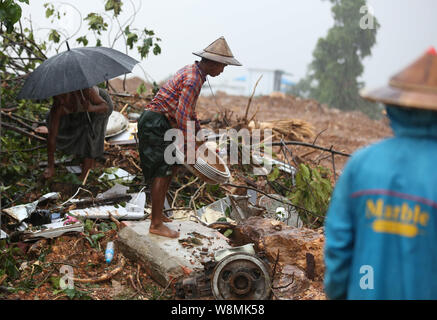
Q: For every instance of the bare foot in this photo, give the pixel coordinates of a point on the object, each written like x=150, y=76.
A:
x=164, y=218
x=162, y=230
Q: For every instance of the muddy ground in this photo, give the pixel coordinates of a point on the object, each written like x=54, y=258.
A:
x=40, y=263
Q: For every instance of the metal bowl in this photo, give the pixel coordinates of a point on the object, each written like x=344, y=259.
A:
x=117, y=123
x=210, y=173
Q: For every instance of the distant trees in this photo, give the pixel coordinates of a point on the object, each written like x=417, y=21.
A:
x=332, y=77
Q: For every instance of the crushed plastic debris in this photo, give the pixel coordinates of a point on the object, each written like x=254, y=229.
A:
x=74, y=169
x=132, y=210
x=53, y=230
x=23, y=211
x=279, y=210
x=232, y=208
x=270, y=162
x=116, y=174
x=3, y=235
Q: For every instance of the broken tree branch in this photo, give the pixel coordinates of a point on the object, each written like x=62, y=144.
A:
x=21, y=131
x=10, y=116
x=166, y=288
x=314, y=142
x=105, y=276
x=195, y=196
x=333, y=167
x=181, y=188
x=297, y=143
x=269, y=196
x=250, y=99
x=24, y=150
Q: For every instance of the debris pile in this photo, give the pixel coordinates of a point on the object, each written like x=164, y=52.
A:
x=247, y=238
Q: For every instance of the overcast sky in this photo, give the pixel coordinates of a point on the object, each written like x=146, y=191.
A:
x=269, y=34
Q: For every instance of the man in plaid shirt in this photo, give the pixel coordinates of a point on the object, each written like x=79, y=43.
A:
x=174, y=107
x=177, y=98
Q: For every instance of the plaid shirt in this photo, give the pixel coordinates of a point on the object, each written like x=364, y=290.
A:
x=178, y=97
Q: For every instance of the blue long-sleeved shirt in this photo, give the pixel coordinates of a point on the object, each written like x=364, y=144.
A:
x=381, y=226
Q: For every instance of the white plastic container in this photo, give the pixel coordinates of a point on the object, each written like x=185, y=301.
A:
x=109, y=253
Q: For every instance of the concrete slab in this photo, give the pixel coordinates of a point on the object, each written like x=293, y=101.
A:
x=165, y=258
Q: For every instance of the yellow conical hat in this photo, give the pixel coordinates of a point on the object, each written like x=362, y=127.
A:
x=219, y=51
x=414, y=87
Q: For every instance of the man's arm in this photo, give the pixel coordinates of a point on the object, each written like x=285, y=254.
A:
x=93, y=102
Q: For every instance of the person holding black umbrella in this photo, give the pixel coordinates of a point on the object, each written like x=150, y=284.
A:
x=76, y=125
x=77, y=122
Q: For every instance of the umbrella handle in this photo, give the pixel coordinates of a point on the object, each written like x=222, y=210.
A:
x=93, y=134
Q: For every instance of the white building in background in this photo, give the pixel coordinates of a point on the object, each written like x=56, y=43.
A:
x=271, y=81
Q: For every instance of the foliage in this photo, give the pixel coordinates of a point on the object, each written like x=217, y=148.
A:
x=274, y=174
x=141, y=89
x=72, y=294
x=228, y=233
x=94, y=236
x=101, y=24
x=332, y=76
x=312, y=191
x=9, y=260
x=107, y=226
x=10, y=13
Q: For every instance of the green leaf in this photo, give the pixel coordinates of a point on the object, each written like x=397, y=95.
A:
x=228, y=212
x=227, y=233
x=97, y=237
x=305, y=171
x=149, y=32
x=55, y=282
x=156, y=49
x=132, y=38
x=83, y=40
x=114, y=5
x=274, y=174
x=141, y=88
x=96, y=23
x=88, y=225
x=54, y=36
x=71, y=293
x=49, y=12
x=10, y=13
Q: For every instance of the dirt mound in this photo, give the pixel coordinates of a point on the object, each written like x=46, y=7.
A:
x=344, y=131
x=131, y=85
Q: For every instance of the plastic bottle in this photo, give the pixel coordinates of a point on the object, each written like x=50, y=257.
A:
x=109, y=253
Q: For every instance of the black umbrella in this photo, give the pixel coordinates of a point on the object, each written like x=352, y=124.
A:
x=75, y=69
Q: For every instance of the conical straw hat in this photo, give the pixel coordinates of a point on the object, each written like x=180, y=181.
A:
x=219, y=51
x=414, y=87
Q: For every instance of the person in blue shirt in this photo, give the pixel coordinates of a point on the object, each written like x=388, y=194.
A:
x=381, y=226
